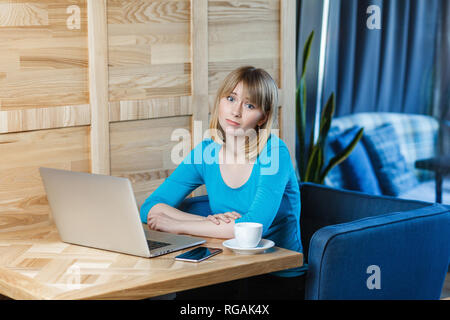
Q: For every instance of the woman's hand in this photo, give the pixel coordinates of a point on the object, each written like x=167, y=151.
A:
x=162, y=222
x=225, y=217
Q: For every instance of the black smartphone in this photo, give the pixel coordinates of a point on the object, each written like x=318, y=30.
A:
x=198, y=254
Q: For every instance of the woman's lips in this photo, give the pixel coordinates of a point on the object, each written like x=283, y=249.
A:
x=232, y=123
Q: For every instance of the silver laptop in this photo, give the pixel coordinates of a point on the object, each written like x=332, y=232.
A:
x=100, y=211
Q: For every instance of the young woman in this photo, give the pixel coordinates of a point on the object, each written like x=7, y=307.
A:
x=247, y=172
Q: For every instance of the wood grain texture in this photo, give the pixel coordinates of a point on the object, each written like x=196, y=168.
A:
x=288, y=77
x=199, y=56
x=142, y=152
x=35, y=264
x=23, y=14
x=43, y=63
x=98, y=86
x=21, y=189
x=44, y=118
x=149, y=49
x=71, y=116
x=242, y=33
x=152, y=108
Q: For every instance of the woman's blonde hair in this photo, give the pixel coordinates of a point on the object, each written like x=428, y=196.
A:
x=262, y=91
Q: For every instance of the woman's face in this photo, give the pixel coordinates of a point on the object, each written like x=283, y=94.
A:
x=237, y=114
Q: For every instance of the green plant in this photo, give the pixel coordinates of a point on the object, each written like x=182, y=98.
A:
x=311, y=162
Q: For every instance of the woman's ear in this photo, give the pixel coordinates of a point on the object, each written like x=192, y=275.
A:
x=262, y=121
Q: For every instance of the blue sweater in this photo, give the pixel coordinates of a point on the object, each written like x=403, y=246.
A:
x=271, y=196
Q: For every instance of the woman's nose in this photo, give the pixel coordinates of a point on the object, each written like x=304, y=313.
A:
x=236, y=111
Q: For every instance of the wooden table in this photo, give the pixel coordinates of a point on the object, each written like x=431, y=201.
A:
x=35, y=264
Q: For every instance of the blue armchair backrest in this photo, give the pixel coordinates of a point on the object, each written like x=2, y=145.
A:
x=196, y=205
x=401, y=255
x=323, y=206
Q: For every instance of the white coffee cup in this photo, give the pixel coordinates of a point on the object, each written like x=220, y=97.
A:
x=248, y=234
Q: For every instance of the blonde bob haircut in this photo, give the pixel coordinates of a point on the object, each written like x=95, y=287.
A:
x=262, y=91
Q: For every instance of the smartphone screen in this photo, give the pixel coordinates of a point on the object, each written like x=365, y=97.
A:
x=198, y=254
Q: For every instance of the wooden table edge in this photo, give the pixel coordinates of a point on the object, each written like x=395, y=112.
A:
x=147, y=289
x=19, y=286
x=30, y=289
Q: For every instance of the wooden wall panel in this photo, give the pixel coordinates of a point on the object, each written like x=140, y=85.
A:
x=43, y=63
x=288, y=74
x=98, y=85
x=149, y=53
x=199, y=58
x=163, y=62
x=141, y=151
x=148, y=109
x=21, y=189
x=44, y=118
x=243, y=33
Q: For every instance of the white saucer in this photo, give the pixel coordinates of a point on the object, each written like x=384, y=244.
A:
x=262, y=246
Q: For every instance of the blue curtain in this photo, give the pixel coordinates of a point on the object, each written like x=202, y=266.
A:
x=389, y=69
x=441, y=97
x=400, y=67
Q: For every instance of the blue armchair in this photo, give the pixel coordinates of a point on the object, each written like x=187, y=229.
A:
x=360, y=246
x=196, y=205
x=372, y=247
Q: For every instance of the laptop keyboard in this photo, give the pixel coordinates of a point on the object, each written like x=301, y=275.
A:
x=155, y=244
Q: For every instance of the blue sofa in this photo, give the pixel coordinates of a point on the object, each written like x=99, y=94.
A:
x=417, y=139
x=354, y=243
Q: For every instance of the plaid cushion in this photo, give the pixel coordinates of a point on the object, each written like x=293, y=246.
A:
x=357, y=168
x=417, y=136
x=393, y=173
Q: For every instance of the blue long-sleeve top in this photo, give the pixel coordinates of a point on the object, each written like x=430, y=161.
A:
x=271, y=196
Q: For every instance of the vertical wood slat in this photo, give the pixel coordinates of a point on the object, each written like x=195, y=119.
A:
x=98, y=86
x=288, y=78
x=199, y=76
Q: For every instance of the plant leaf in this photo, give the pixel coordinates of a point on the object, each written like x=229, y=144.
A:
x=318, y=166
x=340, y=157
x=300, y=114
x=301, y=124
x=307, y=52
x=325, y=121
x=313, y=165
